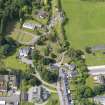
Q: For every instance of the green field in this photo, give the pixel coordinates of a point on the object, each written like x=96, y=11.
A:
x=85, y=26
x=13, y=63
x=53, y=100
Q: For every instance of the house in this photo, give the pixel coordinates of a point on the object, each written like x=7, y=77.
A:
x=10, y=100
x=72, y=74
x=99, y=79
x=54, y=66
x=100, y=100
x=29, y=26
x=72, y=66
x=8, y=90
x=3, y=84
x=96, y=70
x=2, y=102
x=42, y=14
x=24, y=52
x=7, y=82
x=37, y=94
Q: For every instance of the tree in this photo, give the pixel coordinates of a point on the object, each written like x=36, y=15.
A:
x=36, y=55
x=49, y=76
x=65, y=45
x=53, y=55
x=84, y=92
x=34, y=81
x=47, y=50
x=88, y=50
x=47, y=60
x=99, y=89
x=85, y=101
x=88, y=92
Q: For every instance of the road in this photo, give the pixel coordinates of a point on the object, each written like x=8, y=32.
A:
x=46, y=83
x=62, y=88
x=96, y=70
x=60, y=94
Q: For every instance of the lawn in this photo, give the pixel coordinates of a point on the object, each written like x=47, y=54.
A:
x=21, y=36
x=85, y=25
x=97, y=59
x=90, y=82
x=53, y=100
x=13, y=63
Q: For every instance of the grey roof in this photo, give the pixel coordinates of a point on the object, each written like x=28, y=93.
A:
x=29, y=26
x=37, y=93
x=12, y=99
x=72, y=66
x=3, y=83
x=97, y=71
x=42, y=13
x=100, y=99
x=24, y=52
x=3, y=77
x=98, y=47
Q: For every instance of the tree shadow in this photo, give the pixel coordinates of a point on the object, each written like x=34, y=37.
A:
x=10, y=27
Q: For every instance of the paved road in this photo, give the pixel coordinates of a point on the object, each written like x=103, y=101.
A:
x=46, y=83
x=96, y=70
x=30, y=62
x=62, y=89
x=60, y=94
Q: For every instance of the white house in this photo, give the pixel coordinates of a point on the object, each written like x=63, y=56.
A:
x=24, y=52
x=29, y=26
x=2, y=103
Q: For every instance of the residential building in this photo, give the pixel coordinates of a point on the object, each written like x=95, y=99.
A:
x=7, y=82
x=37, y=94
x=2, y=102
x=24, y=52
x=42, y=14
x=99, y=79
x=10, y=100
x=3, y=84
x=72, y=66
x=29, y=26
x=100, y=100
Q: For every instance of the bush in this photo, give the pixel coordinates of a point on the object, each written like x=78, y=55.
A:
x=99, y=89
x=84, y=92
x=88, y=50
x=49, y=76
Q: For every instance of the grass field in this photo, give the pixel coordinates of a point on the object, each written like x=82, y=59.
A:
x=85, y=26
x=90, y=82
x=18, y=34
x=13, y=63
x=53, y=100
x=21, y=36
